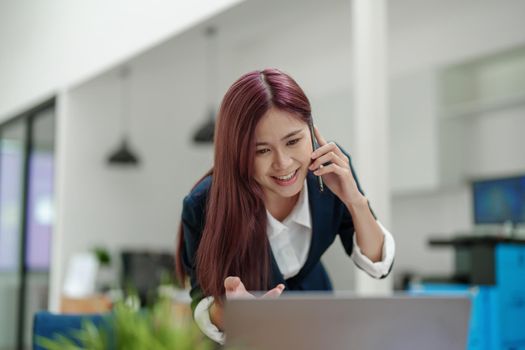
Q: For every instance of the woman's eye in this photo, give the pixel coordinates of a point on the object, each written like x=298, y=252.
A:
x=292, y=142
x=263, y=151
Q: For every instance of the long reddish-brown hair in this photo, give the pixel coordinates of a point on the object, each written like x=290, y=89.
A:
x=234, y=241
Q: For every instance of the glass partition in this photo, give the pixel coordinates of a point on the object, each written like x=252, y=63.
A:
x=12, y=149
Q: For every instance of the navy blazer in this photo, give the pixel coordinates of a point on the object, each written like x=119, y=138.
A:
x=329, y=215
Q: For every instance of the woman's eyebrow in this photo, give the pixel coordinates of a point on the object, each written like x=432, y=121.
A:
x=293, y=133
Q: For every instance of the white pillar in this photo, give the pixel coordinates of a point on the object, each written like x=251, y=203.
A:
x=371, y=124
x=57, y=247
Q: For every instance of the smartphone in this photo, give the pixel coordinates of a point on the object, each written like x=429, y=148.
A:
x=315, y=145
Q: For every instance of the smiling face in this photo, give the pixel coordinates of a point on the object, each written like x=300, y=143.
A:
x=283, y=151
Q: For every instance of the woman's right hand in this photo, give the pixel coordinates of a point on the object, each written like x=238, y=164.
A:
x=235, y=289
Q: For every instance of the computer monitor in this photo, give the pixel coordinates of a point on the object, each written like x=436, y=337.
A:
x=501, y=200
x=144, y=271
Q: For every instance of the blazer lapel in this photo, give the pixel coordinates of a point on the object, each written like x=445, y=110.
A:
x=276, y=277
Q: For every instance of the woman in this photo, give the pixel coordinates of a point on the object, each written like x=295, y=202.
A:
x=258, y=220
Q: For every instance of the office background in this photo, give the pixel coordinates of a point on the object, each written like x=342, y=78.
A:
x=456, y=106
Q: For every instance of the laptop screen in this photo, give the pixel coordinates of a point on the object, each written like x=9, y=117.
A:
x=306, y=321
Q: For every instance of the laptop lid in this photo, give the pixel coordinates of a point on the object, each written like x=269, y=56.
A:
x=306, y=321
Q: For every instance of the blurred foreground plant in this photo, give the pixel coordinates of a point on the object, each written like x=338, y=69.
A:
x=129, y=328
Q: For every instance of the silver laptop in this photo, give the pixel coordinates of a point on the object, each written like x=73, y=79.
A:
x=322, y=321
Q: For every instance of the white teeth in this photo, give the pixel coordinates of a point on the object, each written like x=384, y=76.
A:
x=287, y=177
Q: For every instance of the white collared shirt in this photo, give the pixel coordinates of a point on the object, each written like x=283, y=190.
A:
x=290, y=242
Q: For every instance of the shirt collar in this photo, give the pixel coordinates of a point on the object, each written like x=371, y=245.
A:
x=300, y=214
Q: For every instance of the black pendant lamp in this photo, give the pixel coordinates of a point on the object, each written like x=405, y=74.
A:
x=205, y=131
x=123, y=155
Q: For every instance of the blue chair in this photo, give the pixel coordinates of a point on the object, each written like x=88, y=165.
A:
x=48, y=325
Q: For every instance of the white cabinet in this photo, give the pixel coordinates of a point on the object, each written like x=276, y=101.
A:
x=483, y=107
x=458, y=123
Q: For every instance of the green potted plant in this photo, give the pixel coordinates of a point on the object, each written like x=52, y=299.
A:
x=129, y=328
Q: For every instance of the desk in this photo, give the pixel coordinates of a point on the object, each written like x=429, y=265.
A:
x=95, y=304
x=99, y=304
x=493, y=269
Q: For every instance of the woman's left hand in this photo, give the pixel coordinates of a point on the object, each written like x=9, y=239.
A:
x=337, y=175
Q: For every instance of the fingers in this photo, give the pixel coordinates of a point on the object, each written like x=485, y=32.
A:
x=233, y=284
x=329, y=147
x=330, y=157
x=325, y=147
x=274, y=292
x=235, y=288
x=331, y=168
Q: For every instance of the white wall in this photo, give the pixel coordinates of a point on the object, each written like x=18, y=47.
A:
x=493, y=143
x=130, y=208
x=431, y=33
x=45, y=45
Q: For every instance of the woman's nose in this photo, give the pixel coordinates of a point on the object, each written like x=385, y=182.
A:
x=282, y=160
